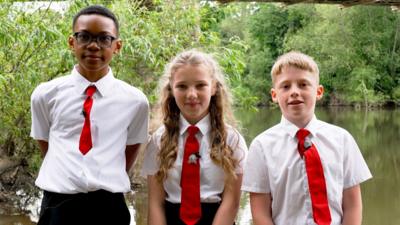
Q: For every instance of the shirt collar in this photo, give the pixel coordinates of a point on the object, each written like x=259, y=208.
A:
x=103, y=85
x=292, y=129
x=203, y=124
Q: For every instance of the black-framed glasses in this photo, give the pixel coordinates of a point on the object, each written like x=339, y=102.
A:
x=102, y=40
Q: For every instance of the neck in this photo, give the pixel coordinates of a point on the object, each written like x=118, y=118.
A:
x=92, y=76
x=301, y=123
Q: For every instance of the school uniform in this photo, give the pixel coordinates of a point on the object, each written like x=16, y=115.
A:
x=275, y=166
x=212, y=176
x=119, y=117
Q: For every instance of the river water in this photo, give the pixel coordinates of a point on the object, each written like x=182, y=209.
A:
x=376, y=131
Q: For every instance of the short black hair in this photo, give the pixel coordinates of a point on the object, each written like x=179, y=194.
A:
x=99, y=10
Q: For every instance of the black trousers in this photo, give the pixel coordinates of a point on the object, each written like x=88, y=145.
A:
x=97, y=207
x=208, y=211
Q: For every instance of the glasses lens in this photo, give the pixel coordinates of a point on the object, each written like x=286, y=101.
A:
x=104, y=41
x=83, y=38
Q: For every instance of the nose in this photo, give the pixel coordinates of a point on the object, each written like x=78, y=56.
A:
x=294, y=91
x=191, y=93
x=93, y=44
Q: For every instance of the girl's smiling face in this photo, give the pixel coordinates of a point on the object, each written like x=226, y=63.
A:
x=192, y=88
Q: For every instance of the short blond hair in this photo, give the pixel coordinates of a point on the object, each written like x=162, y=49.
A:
x=296, y=59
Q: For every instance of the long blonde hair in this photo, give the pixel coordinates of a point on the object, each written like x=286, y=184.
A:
x=219, y=109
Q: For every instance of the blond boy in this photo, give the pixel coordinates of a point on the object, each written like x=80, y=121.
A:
x=280, y=173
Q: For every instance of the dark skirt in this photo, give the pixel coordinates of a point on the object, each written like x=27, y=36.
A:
x=97, y=207
x=208, y=211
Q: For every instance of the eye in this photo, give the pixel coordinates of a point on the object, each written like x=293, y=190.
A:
x=180, y=86
x=201, y=85
x=105, y=38
x=83, y=37
x=303, y=84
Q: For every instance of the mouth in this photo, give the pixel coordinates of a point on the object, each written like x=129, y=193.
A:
x=93, y=57
x=191, y=104
x=295, y=102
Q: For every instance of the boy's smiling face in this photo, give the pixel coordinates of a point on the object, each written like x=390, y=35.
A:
x=93, y=60
x=296, y=91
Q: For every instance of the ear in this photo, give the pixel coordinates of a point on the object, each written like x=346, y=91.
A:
x=71, y=43
x=273, y=95
x=320, y=92
x=118, y=46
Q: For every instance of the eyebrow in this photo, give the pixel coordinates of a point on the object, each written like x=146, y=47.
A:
x=287, y=81
x=96, y=34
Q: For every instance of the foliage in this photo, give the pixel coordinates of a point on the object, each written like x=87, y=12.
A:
x=230, y=49
x=31, y=52
x=34, y=50
x=357, y=48
x=396, y=94
x=269, y=27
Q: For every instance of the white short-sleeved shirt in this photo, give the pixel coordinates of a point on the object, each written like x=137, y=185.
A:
x=211, y=175
x=275, y=166
x=119, y=117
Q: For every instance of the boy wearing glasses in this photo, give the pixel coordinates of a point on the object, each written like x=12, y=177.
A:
x=89, y=126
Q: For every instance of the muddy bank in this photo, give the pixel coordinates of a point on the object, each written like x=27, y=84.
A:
x=17, y=189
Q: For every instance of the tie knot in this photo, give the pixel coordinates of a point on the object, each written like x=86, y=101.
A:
x=90, y=90
x=302, y=134
x=193, y=130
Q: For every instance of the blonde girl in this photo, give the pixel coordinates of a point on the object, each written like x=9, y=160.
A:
x=193, y=93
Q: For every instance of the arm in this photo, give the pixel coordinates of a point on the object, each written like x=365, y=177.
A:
x=261, y=208
x=229, y=207
x=156, y=196
x=131, y=152
x=40, y=117
x=43, y=145
x=352, y=206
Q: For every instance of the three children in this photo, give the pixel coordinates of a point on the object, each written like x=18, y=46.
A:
x=89, y=126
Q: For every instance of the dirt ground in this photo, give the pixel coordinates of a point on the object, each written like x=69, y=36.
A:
x=16, y=187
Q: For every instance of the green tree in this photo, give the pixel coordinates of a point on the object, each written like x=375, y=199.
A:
x=354, y=50
x=269, y=27
x=34, y=50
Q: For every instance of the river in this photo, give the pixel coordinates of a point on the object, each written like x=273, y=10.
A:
x=376, y=131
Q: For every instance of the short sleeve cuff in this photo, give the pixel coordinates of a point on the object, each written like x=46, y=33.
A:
x=250, y=188
x=357, y=181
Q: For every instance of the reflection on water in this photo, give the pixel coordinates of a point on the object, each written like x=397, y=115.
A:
x=377, y=133
x=15, y=220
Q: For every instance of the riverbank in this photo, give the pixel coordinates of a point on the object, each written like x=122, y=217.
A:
x=17, y=189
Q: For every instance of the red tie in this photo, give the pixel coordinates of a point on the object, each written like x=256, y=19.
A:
x=85, y=141
x=316, y=179
x=190, y=211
